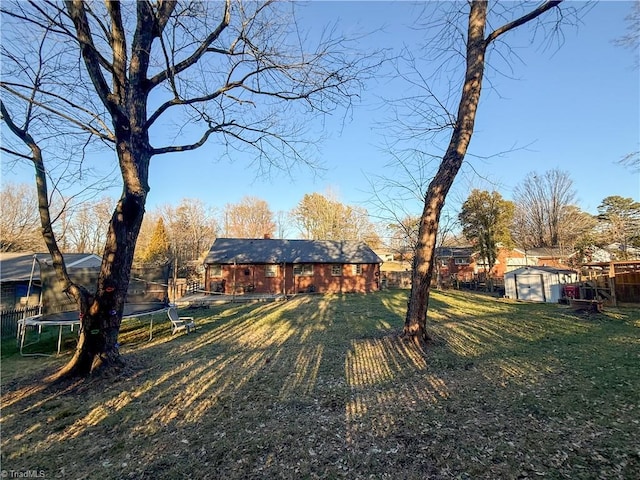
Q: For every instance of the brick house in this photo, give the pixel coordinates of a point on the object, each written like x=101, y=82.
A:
x=551, y=257
x=465, y=264
x=279, y=266
x=455, y=263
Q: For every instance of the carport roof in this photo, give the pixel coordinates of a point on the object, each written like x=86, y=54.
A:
x=16, y=267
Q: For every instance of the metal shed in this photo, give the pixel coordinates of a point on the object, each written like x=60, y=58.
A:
x=538, y=284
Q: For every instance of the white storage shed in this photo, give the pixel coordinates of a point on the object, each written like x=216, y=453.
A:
x=538, y=284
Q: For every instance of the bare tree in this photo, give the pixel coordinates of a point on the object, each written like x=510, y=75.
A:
x=192, y=228
x=542, y=202
x=631, y=161
x=19, y=222
x=399, y=193
x=87, y=225
x=324, y=217
x=433, y=115
x=283, y=220
x=249, y=218
x=402, y=236
x=575, y=227
x=631, y=39
x=236, y=71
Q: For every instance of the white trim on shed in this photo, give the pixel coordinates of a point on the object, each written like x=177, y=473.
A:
x=538, y=284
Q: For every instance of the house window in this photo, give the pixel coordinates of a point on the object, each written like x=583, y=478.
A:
x=303, y=269
x=215, y=270
x=336, y=270
x=271, y=270
x=356, y=269
x=462, y=261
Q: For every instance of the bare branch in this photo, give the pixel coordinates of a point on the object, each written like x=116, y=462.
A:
x=43, y=203
x=93, y=60
x=522, y=20
x=15, y=153
x=199, y=52
x=82, y=125
x=193, y=146
x=119, y=48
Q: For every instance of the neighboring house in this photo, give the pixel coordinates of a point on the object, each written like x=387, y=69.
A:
x=510, y=259
x=620, y=252
x=385, y=255
x=538, y=284
x=550, y=257
x=16, y=278
x=592, y=254
x=465, y=264
x=394, y=271
x=278, y=266
x=455, y=263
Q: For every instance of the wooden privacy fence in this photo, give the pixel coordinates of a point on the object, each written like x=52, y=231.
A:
x=183, y=287
x=396, y=280
x=612, y=282
x=9, y=319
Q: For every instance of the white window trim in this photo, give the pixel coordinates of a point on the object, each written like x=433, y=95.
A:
x=271, y=270
x=303, y=269
x=336, y=270
x=356, y=269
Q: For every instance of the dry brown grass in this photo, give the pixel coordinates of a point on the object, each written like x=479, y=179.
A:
x=321, y=387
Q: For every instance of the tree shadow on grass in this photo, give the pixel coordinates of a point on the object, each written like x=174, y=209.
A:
x=316, y=386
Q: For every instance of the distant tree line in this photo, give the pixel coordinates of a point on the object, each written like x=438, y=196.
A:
x=544, y=214
x=185, y=232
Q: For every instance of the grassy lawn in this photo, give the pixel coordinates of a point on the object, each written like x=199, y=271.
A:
x=321, y=387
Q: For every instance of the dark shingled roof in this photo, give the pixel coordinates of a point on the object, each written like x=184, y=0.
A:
x=16, y=267
x=444, y=252
x=270, y=251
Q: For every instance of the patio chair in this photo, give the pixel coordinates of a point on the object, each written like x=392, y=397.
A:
x=180, y=323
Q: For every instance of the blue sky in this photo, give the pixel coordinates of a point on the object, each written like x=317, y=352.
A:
x=576, y=108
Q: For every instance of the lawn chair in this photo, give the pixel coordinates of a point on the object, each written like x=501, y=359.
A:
x=180, y=323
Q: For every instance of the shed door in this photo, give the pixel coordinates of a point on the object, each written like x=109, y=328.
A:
x=530, y=287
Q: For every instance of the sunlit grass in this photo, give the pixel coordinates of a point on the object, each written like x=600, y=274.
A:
x=322, y=387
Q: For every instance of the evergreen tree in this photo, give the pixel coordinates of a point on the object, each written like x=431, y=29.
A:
x=620, y=220
x=158, y=251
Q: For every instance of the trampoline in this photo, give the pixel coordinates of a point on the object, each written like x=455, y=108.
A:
x=72, y=318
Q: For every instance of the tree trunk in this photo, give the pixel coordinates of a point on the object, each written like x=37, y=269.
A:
x=127, y=106
x=102, y=316
x=416, y=319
